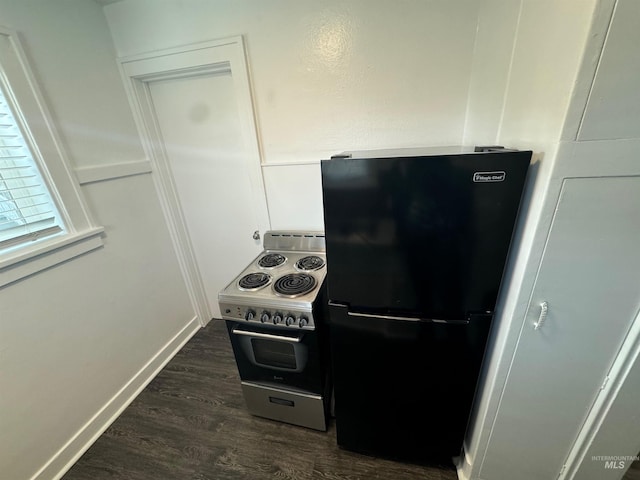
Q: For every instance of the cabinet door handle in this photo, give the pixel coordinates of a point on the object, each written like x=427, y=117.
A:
x=544, y=307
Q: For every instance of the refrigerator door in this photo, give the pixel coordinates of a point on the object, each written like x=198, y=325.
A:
x=428, y=235
x=403, y=389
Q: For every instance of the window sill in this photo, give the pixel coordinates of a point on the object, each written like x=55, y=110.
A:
x=46, y=254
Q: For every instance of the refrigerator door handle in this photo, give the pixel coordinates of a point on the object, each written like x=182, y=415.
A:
x=397, y=317
x=384, y=317
x=336, y=304
x=408, y=319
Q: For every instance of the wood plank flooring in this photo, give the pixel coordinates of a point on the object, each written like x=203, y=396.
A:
x=634, y=471
x=191, y=423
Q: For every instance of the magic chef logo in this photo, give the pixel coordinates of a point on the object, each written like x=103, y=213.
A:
x=483, y=177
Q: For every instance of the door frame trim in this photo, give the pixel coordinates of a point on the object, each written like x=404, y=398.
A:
x=221, y=56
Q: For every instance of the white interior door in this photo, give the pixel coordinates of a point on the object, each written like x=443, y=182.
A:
x=203, y=142
x=193, y=107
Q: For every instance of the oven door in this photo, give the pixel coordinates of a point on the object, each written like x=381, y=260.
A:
x=269, y=355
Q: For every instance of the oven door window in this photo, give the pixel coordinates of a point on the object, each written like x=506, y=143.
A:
x=274, y=353
x=271, y=349
x=280, y=356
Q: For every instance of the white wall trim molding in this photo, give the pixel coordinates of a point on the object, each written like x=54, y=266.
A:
x=49, y=253
x=216, y=56
x=101, y=173
x=64, y=458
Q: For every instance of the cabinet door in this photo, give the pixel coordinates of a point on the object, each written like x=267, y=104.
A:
x=589, y=277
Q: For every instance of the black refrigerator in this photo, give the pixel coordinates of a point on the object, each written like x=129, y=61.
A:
x=417, y=242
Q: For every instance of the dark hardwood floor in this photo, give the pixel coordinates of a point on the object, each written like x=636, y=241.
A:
x=190, y=423
x=634, y=471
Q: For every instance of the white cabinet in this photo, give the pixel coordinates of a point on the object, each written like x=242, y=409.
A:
x=589, y=276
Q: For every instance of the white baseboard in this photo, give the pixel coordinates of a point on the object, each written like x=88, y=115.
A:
x=64, y=459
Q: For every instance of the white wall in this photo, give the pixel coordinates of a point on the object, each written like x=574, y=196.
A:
x=547, y=53
x=74, y=339
x=327, y=76
x=490, y=73
x=525, y=66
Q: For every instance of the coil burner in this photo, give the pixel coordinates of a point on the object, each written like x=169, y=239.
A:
x=310, y=263
x=254, y=281
x=272, y=260
x=294, y=284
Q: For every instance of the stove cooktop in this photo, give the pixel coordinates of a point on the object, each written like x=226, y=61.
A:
x=280, y=285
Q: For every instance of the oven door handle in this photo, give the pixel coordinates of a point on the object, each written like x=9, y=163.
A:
x=268, y=336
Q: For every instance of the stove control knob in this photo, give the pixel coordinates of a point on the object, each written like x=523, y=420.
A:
x=264, y=318
x=250, y=315
x=277, y=318
x=290, y=320
x=303, y=322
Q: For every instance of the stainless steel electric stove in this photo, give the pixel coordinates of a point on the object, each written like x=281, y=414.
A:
x=274, y=311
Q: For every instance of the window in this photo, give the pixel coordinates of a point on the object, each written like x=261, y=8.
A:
x=27, y=211
x=44, y=220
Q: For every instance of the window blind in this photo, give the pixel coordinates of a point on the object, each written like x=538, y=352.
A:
x=27, y=211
